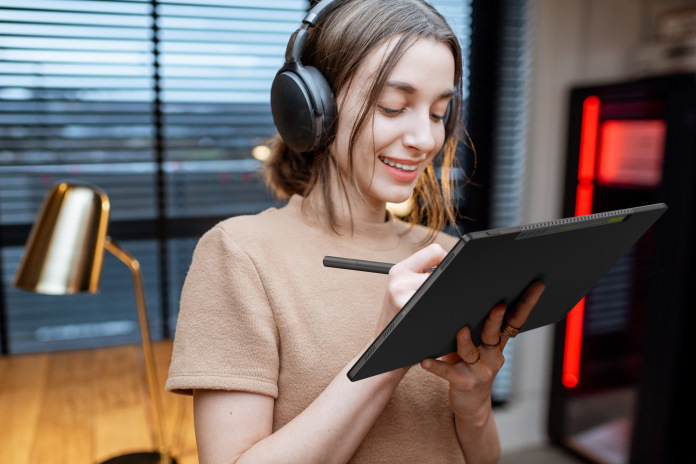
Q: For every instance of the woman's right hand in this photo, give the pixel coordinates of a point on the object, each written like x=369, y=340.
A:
x=405, y=277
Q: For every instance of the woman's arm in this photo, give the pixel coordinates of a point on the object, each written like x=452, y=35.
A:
x=236, y=427
x=471, y=371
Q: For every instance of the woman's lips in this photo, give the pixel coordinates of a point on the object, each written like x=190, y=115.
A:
x=402, y=171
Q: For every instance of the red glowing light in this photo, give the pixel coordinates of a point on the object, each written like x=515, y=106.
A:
x=588, y=139
x=631, y=152
x=573, y=345
x=583, y=206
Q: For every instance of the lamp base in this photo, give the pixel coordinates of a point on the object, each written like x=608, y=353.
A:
x=146, y=457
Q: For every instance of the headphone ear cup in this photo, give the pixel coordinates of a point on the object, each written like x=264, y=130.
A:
x=292, y=110
x=303, y=107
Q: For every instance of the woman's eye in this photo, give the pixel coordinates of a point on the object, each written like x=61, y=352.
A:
x=389, y=111
x=438, y=117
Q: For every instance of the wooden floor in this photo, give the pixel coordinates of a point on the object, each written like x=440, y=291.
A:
x=87, y=406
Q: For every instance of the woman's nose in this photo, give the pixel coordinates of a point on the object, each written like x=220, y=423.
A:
x=419, y=132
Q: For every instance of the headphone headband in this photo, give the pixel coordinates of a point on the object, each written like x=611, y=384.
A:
x=293, y=53
x=317, y=12
x=302, y=102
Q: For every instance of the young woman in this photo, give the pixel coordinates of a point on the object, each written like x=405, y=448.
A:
x=266, y=333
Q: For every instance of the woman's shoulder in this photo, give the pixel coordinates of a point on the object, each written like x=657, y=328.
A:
x=248, y=223
x=277, y=216
x=252, y=228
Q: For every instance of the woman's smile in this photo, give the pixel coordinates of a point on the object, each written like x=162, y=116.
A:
x=401, y=170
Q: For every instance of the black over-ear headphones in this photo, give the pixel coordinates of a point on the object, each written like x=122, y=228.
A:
x=302, y=102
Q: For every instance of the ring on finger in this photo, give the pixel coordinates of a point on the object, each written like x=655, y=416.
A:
x=478, y=357
x=509, y=331
x=488, y=345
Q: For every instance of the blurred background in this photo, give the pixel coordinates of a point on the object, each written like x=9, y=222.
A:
x=574, y=107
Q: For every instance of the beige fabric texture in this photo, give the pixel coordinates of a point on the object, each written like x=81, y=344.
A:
x=260, y=313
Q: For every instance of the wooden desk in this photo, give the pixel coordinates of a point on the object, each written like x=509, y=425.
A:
x=86, y=406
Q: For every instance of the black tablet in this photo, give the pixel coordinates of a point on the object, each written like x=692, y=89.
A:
x=489, y=267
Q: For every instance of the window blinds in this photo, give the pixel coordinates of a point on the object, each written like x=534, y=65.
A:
x=158, y=103
x=161, y=104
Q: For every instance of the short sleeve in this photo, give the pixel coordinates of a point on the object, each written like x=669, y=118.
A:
x=226, y=337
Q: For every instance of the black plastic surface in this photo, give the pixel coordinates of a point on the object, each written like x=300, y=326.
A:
x=568, y=255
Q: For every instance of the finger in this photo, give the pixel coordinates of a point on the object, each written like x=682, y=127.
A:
x=466, y=348
x=402, y=285
x=524, y=307
x=526, y=304
x=452, y=358
x=423, y=259
x=490, y=334
x=440, y=368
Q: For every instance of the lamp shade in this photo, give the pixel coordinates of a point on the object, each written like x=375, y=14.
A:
x=65, y=249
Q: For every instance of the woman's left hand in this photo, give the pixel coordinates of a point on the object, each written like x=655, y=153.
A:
x=471, y=370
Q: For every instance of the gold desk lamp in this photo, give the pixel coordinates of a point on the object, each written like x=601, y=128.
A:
x=64, y=255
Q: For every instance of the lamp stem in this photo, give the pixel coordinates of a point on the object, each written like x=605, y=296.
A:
x=148, y=353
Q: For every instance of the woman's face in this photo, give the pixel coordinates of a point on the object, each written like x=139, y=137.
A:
x=406, y=128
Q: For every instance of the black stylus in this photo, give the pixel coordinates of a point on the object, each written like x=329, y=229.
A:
x=360, y=265
x=357, y=264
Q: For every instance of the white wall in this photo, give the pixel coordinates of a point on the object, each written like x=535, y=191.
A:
x=574, y=42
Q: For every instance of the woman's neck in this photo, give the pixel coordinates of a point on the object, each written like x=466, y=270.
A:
x=348, y=208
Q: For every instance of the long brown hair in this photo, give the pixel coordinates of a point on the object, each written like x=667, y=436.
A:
x=337, y=46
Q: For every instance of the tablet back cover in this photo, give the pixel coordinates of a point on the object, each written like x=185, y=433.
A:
x=489, y=267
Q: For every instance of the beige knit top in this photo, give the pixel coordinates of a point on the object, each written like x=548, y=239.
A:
x=260, y=313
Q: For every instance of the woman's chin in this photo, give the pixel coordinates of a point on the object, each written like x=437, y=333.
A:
x=398, y=196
